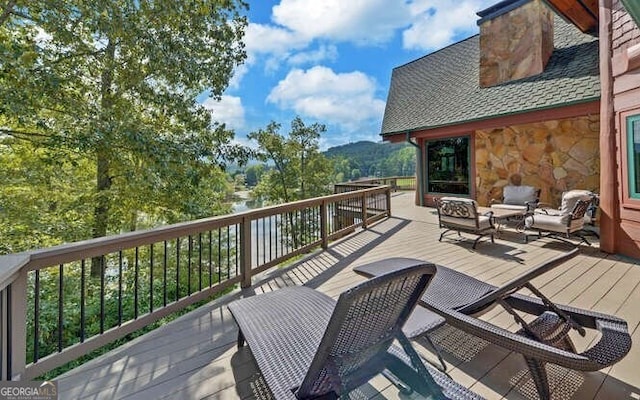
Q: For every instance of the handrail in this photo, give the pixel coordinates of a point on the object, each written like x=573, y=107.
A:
x=125, y=282
x=396, y=183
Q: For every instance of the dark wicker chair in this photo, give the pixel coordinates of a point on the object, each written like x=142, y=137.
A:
x=307, y=345
x=460, y=298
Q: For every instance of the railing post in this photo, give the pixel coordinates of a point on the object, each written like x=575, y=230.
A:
x=388, y=193
x=323, y=225
x=364, y=210
x=245, y=259
x=16, y=303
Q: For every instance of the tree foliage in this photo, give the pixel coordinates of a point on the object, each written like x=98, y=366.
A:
x=299, y=170
x=369, y=159
x=107, y=91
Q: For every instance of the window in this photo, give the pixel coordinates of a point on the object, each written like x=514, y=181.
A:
x=633, y=155
x=448, y=166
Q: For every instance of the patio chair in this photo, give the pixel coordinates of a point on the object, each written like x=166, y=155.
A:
x=461, y=299
x=461, y=215
x=307, y=345
x=522, y=198
x=566, y=221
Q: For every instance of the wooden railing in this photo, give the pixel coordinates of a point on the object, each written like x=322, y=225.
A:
x=59, y=303
x=395, y=182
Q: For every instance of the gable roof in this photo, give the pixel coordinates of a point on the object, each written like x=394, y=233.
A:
x=442, y=89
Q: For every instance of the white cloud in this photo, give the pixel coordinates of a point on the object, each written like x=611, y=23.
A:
x=359, y=21
x=306, y=32
x=346, y=99
x=323, y=53
x=228, y=110
x=436, y=23
x=267, y=39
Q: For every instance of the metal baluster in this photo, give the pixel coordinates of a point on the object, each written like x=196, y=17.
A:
x=200, y=261
x=120, y=287
x=36, y=318
x=164, y=275
x=135, y=286
x=151, y=278
x=210, y=258
x=82, y=301
x=60, y=305
x=190, y=254
x=177, y=268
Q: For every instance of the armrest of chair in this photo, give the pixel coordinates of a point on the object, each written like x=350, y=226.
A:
x=545, y=205
x=614, y=343
x=507, y=339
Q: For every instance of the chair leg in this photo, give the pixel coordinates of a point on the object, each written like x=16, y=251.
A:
x=475, y=242
x=240, y=338
x=443, y=233
x=438, y=353
x=539, y=375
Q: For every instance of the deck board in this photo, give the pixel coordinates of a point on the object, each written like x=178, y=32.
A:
x=195, y=356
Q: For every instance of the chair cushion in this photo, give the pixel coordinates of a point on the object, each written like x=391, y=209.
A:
x=553, y=223
x=518, y=195
x=547, y=211
x=570, y=198
x=514, y=207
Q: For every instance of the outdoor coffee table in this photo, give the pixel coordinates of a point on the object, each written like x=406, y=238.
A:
x=502, y=215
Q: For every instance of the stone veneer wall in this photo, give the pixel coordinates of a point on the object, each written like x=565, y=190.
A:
x=554, y=156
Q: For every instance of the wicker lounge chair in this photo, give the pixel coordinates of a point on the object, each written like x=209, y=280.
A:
x=460, y=299
x=307, y=345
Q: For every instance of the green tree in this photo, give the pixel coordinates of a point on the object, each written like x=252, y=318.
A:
x=401, y=162
x=253, y=174
x=45, y=196
x=116, y=84
x=300, y=170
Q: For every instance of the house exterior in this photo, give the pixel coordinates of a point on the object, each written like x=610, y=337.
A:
x=620, y=126
x=547, y=95
x=520, y=102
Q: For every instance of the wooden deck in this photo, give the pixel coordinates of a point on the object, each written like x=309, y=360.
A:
x=195, y=357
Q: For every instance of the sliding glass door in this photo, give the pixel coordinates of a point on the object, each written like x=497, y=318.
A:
x=448, y=166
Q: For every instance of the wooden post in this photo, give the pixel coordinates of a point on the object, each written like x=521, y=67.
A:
x=364, y=210
x=609, y=200
x=16, y=301
x=388, y=193
x=323, y=224
x=245, y=259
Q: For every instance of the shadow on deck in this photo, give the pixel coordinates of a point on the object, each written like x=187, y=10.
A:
x=195, y=356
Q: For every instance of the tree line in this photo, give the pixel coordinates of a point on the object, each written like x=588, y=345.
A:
x=101, y=132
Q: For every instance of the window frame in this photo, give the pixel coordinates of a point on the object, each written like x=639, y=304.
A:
x=470, y=169
x=630, y=193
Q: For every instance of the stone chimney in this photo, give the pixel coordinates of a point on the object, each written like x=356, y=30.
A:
x=516, y=40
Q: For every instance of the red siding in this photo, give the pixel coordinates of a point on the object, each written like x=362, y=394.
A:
x=626, y=101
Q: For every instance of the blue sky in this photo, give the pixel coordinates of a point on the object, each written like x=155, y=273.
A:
x=330, y=61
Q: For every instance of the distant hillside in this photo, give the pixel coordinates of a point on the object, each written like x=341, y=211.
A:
x=362, y=159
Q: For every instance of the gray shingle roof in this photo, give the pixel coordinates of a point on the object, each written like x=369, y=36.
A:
x=442, y=88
